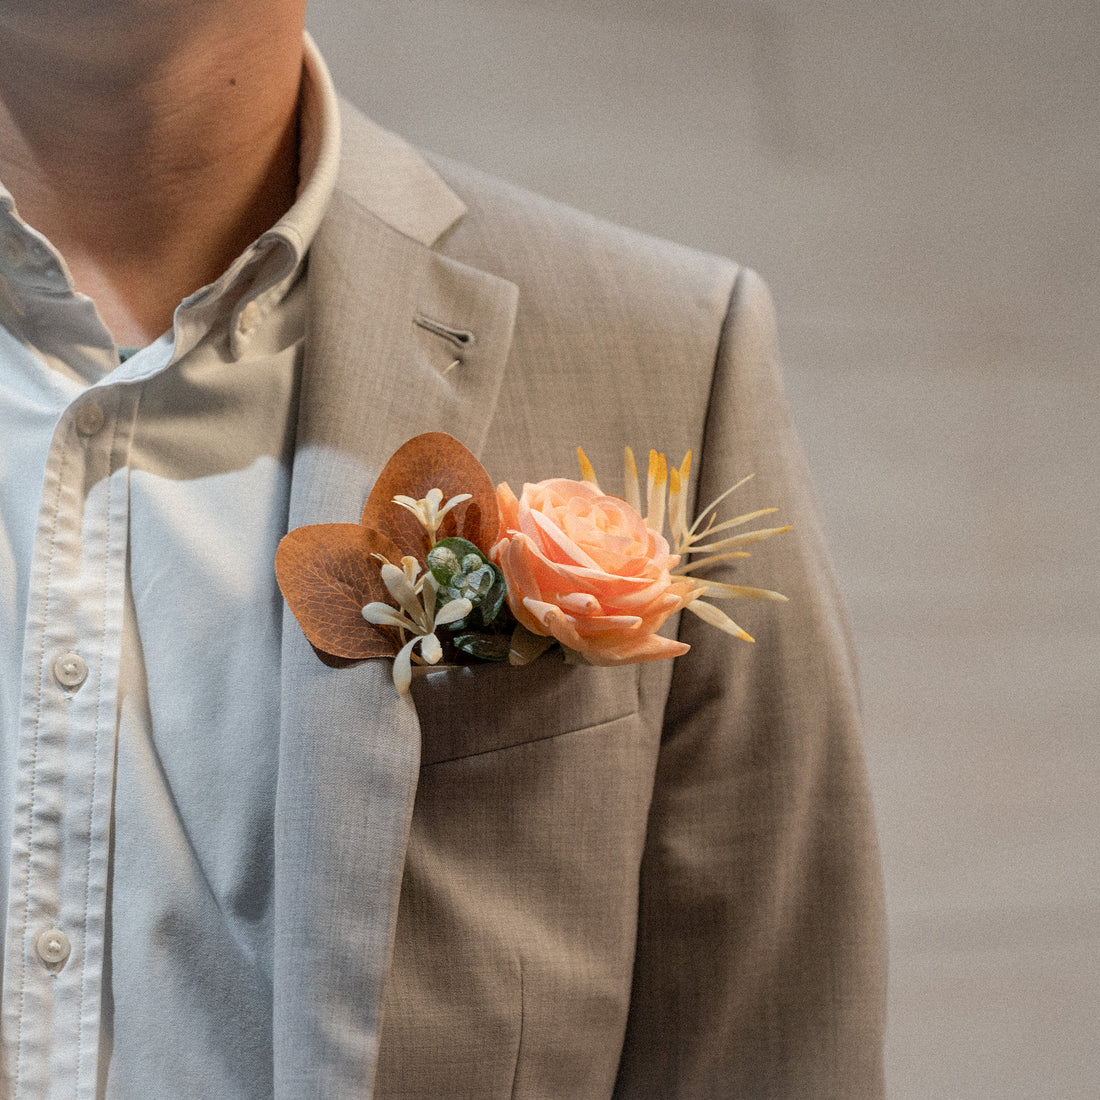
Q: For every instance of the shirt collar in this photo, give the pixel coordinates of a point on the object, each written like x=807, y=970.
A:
x=258, y=280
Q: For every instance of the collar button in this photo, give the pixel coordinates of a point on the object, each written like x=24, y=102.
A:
x=249, y=318
x=89, y=418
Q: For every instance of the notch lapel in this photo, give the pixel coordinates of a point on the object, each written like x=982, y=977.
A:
x=385, y=359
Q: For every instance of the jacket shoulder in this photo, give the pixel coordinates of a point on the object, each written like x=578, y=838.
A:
x=546, y=246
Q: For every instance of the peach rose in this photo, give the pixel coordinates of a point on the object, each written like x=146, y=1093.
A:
x=583, y=568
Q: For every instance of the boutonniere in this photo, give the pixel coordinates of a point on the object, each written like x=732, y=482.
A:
x=442, y=563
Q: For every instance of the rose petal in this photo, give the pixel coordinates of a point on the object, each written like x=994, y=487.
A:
x=579, y=603
x=554, y=538
x=650, y=647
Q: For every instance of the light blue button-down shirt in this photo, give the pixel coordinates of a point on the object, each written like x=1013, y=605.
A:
x=140, y=507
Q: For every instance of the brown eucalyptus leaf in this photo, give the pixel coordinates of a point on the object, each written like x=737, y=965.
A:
x=327, y=575
x=433, y=460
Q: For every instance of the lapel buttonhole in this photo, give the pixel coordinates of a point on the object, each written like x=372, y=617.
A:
x=459, y=338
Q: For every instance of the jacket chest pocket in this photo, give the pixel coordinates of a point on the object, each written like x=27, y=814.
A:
x=466, y=710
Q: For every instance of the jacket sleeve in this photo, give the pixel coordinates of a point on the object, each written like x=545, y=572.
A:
x=760, y=968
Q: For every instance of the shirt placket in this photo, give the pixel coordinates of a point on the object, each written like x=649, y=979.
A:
x=53, y=971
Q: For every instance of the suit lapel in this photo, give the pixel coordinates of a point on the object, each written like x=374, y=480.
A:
x=400, y=340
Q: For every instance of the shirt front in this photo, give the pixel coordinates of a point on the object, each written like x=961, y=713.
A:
x=141, y=503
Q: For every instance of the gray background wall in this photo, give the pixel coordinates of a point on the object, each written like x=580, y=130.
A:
x=918, y=183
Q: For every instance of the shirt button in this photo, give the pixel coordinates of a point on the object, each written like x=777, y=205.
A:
x=249, y=318
x=89, y=418
x=53, y=947
x=70, y=670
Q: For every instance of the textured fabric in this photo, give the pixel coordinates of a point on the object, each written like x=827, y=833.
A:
x=140, y=506
x=646, y=881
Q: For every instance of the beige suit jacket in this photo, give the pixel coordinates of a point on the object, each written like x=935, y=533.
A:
x=566, y=881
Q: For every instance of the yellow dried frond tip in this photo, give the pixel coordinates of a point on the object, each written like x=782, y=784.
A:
x=587, y=473
x=630, y=481
x=655, y=491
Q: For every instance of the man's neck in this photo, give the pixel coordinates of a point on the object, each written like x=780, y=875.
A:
x=152, y=156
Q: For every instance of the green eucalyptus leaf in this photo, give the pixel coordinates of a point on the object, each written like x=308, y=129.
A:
x=461, y=548
x=485, y=647
x=444, y=565
x=490, y=606
x=480, y=581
